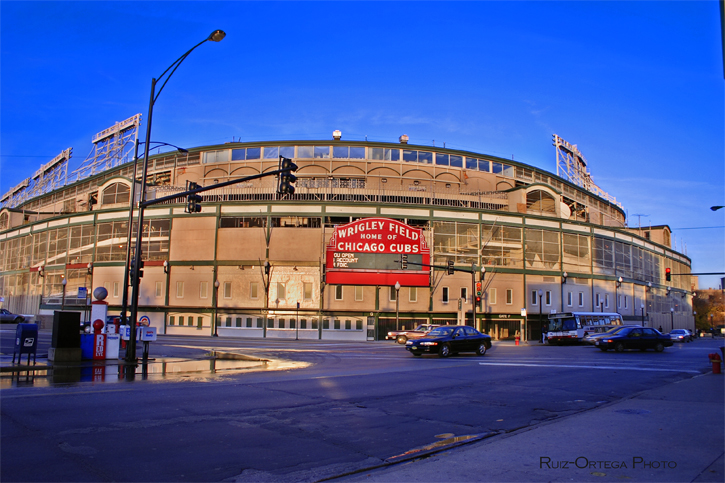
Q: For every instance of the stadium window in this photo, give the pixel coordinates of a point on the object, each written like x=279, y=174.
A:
x=548, y=297
x=456, y=161
x=227, y=290
x=445, y=295
x=348, y=325
x=159, y=289
x=492, y=296
x=383, y=154
x=581, y=299
x=242, y=222
x=509, y=296
x=238, y=321
x=337, y=324
x=307, y=290
x=221, y=156
x=597, y=300
x=171, y=320
x=625, y=302
x=392, y=294
x=358, y=324
x=464, y=294
x=534, y=298
x=606, y=300
x=116, y=193
x=199, y=322
x=287, y=151
x=413, y=294
x=179, y=290
x=442, y=159
x=322, y=152
x=254, y=290
x=115, y=289
x=281, y=291
x=271, y=152
x=358, y=293
x=338, y=292
x=569, y=299
x=203, y=290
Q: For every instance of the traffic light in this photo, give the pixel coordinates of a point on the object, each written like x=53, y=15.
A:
x=450, y=267
x=478, y=302
x=668, y=275
x=403, y=262
x=193, y=200
x=286, y=178
x=479, y=289
x=132, y=271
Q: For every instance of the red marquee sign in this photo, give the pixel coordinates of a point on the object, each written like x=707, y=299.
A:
x=368, y=251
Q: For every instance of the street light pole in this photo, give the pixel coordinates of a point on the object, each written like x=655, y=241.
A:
x=64, y=282
x=215, y=36
x=397, y=305
x=216, y=305
x=541, y=323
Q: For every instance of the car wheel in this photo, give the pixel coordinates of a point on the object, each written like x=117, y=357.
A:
x=416, y=354
x=481, y=349
x=401, y=339
x=659, y=347
x=603, y=349
x=445, y=350
x=619, y=347
x=19, y=320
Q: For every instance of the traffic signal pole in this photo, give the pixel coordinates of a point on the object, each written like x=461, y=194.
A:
x=450, y=269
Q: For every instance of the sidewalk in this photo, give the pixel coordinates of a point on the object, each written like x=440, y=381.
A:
x=672, y=433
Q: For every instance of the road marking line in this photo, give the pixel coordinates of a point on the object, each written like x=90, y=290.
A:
x=587, y=367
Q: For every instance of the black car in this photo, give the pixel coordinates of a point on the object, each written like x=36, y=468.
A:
x=450, y=339
x=641, y=338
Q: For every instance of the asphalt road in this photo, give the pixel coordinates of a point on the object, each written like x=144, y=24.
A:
x=352, y=406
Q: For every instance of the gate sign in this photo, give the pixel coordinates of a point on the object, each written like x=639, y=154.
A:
x=368, y=252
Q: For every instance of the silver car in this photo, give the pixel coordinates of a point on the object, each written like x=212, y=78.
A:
x=7, y=317
x=681, y=335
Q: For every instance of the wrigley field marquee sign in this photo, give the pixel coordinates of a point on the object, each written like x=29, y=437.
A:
x=368, y=252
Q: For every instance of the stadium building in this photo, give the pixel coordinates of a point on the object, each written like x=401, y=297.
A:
x=262, y=264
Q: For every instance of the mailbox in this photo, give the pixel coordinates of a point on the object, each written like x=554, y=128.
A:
x=26, y=341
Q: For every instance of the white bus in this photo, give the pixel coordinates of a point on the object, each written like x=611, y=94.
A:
x=574, y=326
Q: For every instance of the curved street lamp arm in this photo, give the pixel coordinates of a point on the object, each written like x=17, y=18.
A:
x=215, y=36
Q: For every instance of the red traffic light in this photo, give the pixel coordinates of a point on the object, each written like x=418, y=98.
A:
x=668, y=275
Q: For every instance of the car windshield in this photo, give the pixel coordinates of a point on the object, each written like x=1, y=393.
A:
x=678, y=331
x=558, y=325
x=441, y=332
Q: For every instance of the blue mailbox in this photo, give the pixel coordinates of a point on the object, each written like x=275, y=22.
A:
x=26, y=341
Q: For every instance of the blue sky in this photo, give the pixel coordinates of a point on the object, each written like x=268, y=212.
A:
x=638, y=86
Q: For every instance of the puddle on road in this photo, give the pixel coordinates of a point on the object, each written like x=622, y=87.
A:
x=437, y=446
x=163, y=369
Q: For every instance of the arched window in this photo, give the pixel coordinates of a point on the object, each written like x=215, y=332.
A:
x=4, y=218
x=540, y=201
x=116, y=193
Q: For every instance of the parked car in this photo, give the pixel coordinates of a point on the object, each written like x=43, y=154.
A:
x=450, y=339
x=641, y=338
x=402, y=336
x=681, y=335
x=592, y=338
x=7, y=317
